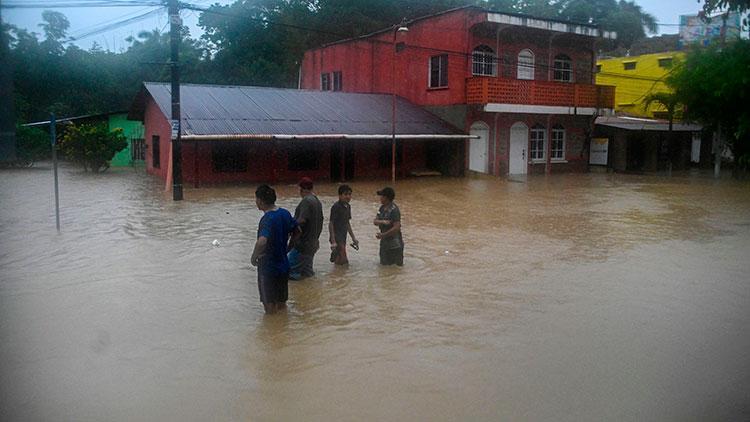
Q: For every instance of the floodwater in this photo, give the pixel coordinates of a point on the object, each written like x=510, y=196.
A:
x=577, y=297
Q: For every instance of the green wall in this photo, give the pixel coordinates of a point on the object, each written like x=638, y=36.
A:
x=132, y=129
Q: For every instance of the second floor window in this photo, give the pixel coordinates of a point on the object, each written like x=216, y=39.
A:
x=483, y=61
x=558, y=143
x=325, y=81
x=563, y=69
x=337, y=81
x=439, y=71
x=525, y=65
x=537, y=143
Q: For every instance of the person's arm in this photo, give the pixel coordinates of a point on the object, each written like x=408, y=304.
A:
x=331, y=237
x=296, y=233
x=390, y=232
x=351, y=233
x=260, y=247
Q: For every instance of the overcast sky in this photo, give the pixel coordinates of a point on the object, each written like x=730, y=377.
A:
x=85, y=19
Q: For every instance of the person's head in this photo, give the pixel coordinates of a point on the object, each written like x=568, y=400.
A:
x=265, y=197
x=305, y=186
x=345, y=193
x=387, y=195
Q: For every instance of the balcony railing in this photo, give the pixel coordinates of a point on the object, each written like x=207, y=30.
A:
x=485, y=90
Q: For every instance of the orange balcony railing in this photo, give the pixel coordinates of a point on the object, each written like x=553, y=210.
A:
x=484, y=90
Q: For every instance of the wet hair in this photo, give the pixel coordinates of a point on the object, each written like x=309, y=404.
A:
x=344, y=189
x=266, y=194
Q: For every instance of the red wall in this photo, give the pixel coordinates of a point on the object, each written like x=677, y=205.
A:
x=499, y=143
x=367, y=65
x=155, y=123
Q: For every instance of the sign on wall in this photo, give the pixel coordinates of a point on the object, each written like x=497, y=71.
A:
x=694, y=29
x=598, y=151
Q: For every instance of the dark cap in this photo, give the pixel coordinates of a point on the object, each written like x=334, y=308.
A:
x=306, y=183
x=387, y=192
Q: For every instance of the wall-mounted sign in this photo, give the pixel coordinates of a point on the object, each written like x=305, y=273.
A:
x=175, y=128
x=598, y=151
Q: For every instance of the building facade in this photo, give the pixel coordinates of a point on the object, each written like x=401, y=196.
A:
x=251, y=134
x=635, y=77
x=524, y=87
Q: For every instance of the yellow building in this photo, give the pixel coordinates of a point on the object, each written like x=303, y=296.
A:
x=636, y=77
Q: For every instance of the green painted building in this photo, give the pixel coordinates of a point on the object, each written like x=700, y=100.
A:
x=133, y=130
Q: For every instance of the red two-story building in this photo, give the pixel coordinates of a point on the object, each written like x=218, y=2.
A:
x=524, y=86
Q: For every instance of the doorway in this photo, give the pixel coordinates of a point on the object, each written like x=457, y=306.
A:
x=478, y=147
x=519, y=142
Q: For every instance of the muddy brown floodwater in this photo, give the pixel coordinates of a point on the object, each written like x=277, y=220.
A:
x=577, y=297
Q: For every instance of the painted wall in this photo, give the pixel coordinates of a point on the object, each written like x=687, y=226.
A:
x=156, y=124
x=576, y=156
x=633, y=85
x=132, y=130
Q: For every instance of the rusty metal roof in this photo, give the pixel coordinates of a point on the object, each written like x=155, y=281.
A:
x=246, y=110
x=637, y=123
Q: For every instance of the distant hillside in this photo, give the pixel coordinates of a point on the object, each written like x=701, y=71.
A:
x=658, y=44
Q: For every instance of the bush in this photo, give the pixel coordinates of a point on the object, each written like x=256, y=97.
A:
x=93, y=146
x=32, y=144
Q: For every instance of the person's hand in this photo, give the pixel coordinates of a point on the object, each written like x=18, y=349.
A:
x=334, y=245
x=254, y=261
x=378, y=235
x=355, y=242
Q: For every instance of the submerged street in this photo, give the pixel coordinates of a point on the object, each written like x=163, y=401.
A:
x=575, y=297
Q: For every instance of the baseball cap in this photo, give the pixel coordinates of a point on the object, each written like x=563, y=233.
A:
x=306, y=183
x=387, y=192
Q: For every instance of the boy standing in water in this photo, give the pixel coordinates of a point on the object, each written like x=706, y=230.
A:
x=269, y=254
x=389, y=222
x=339, y=225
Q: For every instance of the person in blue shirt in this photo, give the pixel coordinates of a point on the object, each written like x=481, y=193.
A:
x=270, y=252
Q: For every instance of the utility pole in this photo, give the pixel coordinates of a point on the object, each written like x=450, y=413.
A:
x=175, y=24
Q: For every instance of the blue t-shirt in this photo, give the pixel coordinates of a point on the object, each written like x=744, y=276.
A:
x=276, y=226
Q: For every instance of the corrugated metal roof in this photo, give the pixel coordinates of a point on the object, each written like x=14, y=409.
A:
x=246, y=110
x=634, y=123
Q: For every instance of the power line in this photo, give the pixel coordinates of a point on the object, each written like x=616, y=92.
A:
x=78, y=4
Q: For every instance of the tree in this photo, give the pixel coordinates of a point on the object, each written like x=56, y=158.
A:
x=33, y=144
x=673, y=106
x=714, y=86
x=93, y=146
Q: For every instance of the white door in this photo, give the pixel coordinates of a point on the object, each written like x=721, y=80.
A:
x=695, y=151
x=519, y=142
x=478, y=147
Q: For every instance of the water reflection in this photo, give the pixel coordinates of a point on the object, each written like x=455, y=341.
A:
x=571, y=297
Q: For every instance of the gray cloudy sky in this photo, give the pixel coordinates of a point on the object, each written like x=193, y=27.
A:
x=85, y=19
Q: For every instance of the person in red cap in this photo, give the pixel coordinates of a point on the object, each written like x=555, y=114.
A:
x=389, y=222
x=309, y=216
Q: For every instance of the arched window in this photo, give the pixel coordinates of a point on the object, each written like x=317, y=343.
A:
x=537, y=142
x=526, y=64
x=557, y=152
x=484, y=61
x=563, y=68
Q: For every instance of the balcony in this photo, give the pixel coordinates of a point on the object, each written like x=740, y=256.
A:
x=486, y=90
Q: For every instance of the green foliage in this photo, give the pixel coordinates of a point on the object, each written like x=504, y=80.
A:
x=714, y=86
x=249, y=42
x=32, y=144
x=93, y=146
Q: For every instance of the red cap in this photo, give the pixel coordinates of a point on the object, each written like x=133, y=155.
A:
x=306, y=183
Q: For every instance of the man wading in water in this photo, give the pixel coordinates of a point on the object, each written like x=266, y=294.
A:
x=309, y=216
x=269, y=254
x=339, y=225
x=389, y=222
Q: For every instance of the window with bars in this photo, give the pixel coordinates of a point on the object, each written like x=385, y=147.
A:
x=483, y=61
x=439, y=71
x=337, y=81
x=537, y=136
x=325, y=81
x=525, y=65
x=229, y=157
x=563, y=69
x=557, y=151
x=155, y=152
